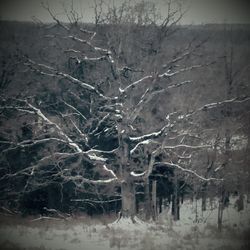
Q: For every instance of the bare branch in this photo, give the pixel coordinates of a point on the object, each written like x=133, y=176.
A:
x=46, y=7
x=169, y=164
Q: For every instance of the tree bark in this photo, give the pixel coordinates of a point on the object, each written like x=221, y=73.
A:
x=240, y=202
x=204, y=197
x=160, y=204
x=128, y=199
x=154, y=203
x=147, y=199
x=220, y=215
x=221, y=209
x=176, y=201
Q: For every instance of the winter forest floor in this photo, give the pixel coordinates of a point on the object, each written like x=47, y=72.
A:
x=193, y=231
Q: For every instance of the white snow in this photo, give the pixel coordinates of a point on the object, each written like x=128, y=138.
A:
x=195, y=230
x=146, y=142
x=136, y=174
x=96, y=158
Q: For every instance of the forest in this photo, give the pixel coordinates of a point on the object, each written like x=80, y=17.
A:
x=129, y=115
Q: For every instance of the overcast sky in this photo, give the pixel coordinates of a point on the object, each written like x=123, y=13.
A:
x=201, y=11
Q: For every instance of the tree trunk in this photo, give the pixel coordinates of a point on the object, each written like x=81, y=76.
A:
x=128, y=199
x=220, y=215
x=176, y=201
x=240, y=202
x=160, y=204
x=154, y=206
x=204, y=197
x=221, y=209
x=147, y=199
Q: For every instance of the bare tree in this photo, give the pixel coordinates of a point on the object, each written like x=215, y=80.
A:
x=94, y=130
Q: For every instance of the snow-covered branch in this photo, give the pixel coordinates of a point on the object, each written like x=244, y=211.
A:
x=55, y=73
x=138, y=174
x=109, y=171
x=85, y=180
x=145, y=142
x=146, y=137
x=184, y=146
x=59, y=129
x=30, y=143
x=75, y=109
x=167, y=74
x=169, y=164
x=58, y=74
x=132, y=85
x=91, y=154
x=217, y=104
x=171, y=73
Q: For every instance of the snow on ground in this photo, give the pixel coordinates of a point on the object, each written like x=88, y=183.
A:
x=193, y=231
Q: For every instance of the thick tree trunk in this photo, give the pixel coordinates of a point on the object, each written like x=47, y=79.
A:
x=128, y=199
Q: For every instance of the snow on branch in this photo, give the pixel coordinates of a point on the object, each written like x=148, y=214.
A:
x=145, y=142
x=149, y=95
x=30, y=143
x=93, y=150
x=187, y=146
x=132, y=85
x=170, y=73
x=75, y=109
x=148, y=136
x=93, y=33
x=167, y=74
x=58, y=74
x=137, y=174
x=96, y=201
x=85, y=180
x=217, y=104
x=84, y=136
x=60, y=131
x=33, y=65
x=107, y=53
x=188, y=51
x=100, y=122
x=169, y=164
x=90, y=153
x=110, y=171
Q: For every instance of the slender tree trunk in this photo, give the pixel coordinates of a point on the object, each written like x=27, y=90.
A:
x=226, y=163
x=176, y=201
x=196, y=209
x=160, y=204
x=220, y=215
x=154, y=203
x=221, y=209
x=147, y=199
x=204, y=197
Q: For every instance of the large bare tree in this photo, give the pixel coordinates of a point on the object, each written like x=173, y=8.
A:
x=101, y=115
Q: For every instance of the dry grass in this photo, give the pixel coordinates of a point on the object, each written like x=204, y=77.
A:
x=150, y=236
x=38, y=221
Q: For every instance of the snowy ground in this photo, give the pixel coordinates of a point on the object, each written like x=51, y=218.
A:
x=191, y=232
